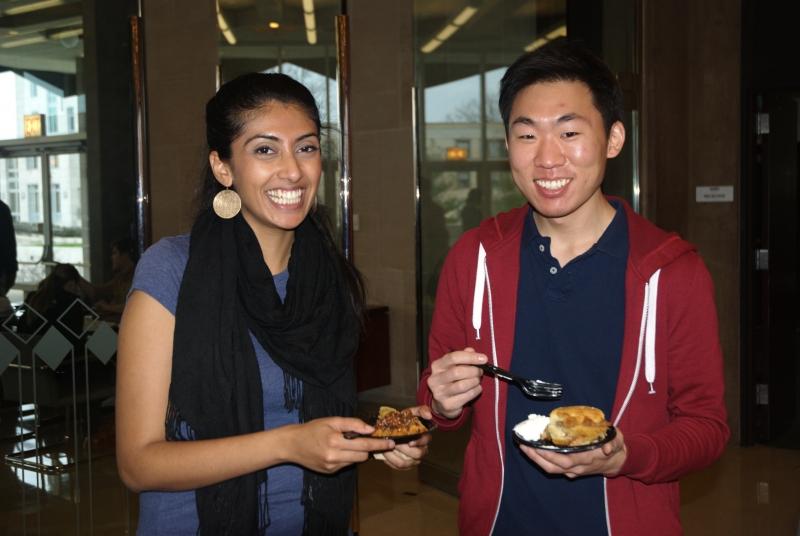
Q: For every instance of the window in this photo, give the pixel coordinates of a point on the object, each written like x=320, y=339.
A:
x=34, y=214
x=31, y=163
x=496, y=149
x=70, y=119
x=52, y=124
x=34, y=91
x=13, y=191
x=55, y=199
x=13, y=204
x=12, y=185
x=12, y=171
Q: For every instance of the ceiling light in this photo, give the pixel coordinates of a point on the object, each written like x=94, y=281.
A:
x=23, y=42
x=536, y=44
x=561, y=31
x=310, y=21
x=66, y=34
x=35, y=6
x=224, y=28
x=466, y=14
x=450, y=28
x=430, y=46
x=274, y=25
x=446, y=32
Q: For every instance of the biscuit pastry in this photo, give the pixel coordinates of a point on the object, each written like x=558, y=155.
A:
x=573, y=426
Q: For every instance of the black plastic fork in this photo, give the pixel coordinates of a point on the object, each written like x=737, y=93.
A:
x=532, y=388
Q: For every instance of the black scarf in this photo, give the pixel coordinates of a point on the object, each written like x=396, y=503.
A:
x=227, y=290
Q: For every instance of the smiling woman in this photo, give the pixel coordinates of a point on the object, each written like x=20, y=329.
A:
x=241, y=337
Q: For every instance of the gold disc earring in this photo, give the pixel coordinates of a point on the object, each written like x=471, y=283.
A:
x=227, y=203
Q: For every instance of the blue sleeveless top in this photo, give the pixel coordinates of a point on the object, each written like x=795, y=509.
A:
x=159, y=274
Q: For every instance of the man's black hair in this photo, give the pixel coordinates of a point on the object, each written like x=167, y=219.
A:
x=564, y=61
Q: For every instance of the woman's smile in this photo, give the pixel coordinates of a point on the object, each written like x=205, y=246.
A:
x=286, y=198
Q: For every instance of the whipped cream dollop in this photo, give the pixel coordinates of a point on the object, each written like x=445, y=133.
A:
x=532, y=428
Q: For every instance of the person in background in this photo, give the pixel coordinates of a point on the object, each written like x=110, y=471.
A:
x=8, y=257
x=471, y=215
x=54, y=296
x=575, y=288
x=108, y=299
x=235, y=362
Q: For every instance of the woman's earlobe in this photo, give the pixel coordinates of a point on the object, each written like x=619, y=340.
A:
x=220, y=169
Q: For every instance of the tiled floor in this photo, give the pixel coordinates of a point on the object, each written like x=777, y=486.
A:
x=750, y=491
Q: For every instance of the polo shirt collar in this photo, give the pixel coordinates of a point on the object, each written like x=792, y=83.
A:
x=613, y=241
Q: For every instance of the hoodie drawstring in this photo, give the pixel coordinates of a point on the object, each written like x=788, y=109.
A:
x=477, y=297
x=650, y=332
x=647, y=338
x=483, y=285
x=647, y=342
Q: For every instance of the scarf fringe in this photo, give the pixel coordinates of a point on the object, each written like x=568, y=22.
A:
x=292, y=392
x=175, y=427
x=329, y=519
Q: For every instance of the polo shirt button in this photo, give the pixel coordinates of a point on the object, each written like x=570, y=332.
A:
x=553, y=270
x=541, y=248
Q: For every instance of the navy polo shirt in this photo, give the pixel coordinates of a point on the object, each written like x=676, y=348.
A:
x=569, y=329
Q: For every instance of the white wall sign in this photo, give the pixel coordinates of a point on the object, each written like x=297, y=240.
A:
x=714, y=194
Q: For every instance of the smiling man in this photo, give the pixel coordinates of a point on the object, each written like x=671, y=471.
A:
x=576, y=288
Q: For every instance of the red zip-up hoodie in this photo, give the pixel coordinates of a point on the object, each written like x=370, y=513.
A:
x=669, y=398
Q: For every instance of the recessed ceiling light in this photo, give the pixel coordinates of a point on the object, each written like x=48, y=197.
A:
x=35, y=6
x=24, y=42
x=452, y=27
x=274, y=24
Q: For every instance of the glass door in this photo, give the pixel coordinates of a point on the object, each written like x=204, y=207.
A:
x=66, y=179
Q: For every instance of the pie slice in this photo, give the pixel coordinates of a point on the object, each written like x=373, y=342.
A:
x=393, y=423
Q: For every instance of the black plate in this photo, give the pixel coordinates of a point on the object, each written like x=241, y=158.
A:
x=547, y=445
x=430, y=425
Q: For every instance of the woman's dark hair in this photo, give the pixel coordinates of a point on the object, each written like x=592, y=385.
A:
x=564, y=61
x=227, y=114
